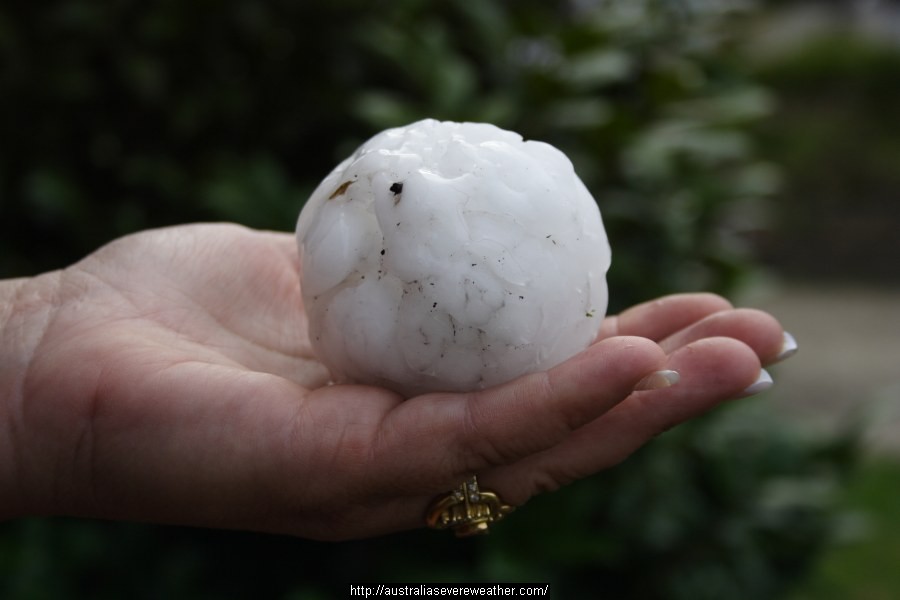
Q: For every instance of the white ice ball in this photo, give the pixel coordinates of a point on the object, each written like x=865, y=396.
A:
x=449, y=256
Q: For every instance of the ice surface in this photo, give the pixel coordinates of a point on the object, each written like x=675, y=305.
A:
x=449, y=256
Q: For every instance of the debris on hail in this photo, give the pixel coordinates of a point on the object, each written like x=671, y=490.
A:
x=448, y=256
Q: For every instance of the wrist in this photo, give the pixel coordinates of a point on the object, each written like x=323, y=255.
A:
x=25, y=308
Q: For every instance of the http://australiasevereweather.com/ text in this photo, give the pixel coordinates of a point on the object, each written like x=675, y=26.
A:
x=447, y=590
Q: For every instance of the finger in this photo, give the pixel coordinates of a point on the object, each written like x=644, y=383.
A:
x=428, y=445
x=712, y=370
x=661, y=318
x=759, y=330
x=466, y=434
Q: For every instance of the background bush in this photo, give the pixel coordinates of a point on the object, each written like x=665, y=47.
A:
x=122, y=115
x=837, y=136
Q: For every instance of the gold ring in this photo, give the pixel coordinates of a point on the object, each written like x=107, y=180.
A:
x=467, y=510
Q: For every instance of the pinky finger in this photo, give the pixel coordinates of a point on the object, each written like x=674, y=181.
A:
x=712, y=371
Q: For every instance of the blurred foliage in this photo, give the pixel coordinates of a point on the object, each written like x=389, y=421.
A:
x=836, y=132
x=122, y=115
x=731, y=507
x=862, y=563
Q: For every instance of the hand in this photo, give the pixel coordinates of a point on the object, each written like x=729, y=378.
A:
x=169, y=378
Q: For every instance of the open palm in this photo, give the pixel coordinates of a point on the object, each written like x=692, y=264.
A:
x=173, y=381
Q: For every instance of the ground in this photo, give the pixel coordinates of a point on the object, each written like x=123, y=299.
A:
x=848, y=365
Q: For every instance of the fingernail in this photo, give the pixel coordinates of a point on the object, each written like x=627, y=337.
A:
x=762, y=383
x=788, y=348
x=657, y=380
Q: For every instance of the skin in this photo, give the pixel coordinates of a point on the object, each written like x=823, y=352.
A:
x=168, y=377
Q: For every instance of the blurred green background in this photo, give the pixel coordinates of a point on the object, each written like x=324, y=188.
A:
x=727, y=143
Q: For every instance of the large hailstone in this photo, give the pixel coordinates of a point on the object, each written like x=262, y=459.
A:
x=448, y=256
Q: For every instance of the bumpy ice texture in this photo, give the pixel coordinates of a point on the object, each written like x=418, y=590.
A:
x=450, y=257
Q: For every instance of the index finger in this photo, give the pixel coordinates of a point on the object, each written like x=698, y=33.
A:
x=660, y=318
